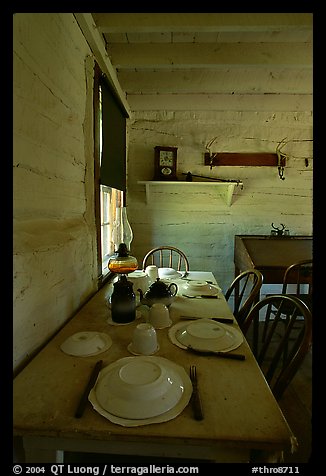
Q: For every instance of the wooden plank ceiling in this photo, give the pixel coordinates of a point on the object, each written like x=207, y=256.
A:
x=211, y=61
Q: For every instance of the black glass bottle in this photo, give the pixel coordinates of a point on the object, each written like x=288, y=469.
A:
x=123, y=301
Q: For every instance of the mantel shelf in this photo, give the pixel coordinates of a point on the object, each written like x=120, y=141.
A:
x=226, y=189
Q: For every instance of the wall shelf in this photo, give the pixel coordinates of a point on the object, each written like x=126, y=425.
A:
x=225, y=189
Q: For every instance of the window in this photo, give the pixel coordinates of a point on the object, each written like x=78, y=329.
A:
x=110, y=166
x=110, y=199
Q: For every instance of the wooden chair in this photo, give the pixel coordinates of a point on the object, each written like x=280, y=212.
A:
x=245, y=290
x=284, y=347
x=167, y=257
x=299, y=275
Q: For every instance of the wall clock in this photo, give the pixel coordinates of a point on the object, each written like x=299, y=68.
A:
x=165, y=163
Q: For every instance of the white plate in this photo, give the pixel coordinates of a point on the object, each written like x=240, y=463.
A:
x=138, y=388
x=206, y=335
x=196, y=288
x=168, y=273
x=172, y=367
x=84, y=344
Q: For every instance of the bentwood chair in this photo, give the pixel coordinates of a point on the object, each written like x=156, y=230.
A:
x=167, y=257
x=244, y=289
x=282, y=350
x=298, y=276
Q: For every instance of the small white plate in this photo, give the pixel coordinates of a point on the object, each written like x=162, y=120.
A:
x=168, y=273
x=84, y=344
x=206, y=335
x=196, y=288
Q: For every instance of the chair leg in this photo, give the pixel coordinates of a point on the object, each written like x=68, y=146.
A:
x=266, y=322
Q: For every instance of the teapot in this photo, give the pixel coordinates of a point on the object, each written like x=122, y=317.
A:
x=159, y=292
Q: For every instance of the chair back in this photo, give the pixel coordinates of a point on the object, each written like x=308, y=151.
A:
x=300, y=274
x=245, y=290
x=279, y=351
x=167, y=257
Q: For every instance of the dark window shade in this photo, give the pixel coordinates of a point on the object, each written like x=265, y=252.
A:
x=113, y=160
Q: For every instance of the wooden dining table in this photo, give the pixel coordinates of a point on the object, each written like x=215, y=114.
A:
x=240, y=411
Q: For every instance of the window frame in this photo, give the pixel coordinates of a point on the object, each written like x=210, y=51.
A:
x=110, y=199
x=117, y=196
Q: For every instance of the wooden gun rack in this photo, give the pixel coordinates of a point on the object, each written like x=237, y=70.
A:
x=259, y=159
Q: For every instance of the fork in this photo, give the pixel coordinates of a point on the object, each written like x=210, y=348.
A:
x=196, y=401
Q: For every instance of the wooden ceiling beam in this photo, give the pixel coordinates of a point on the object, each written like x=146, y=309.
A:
x=200, y=22
x=228, y=80
x=220, y=102
x=206, y=55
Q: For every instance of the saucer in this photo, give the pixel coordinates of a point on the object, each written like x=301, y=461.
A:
x=138, y=353
x=112, y=323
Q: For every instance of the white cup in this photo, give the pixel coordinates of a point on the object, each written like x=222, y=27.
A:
x=159, y=316
x=140, y=280
x=144, y=339
x=152, y=272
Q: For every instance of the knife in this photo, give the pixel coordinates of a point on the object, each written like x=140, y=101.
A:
x=187, y=279
x=206, y=296
x=195, y=398
x=225, y=355
x=89, y=386
x=225, y=320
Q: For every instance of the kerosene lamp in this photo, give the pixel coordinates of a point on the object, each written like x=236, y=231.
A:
x=123, y=299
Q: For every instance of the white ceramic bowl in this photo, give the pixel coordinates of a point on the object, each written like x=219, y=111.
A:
x=168, y=273
x=201, y=287
x=206, y=335
x=144, y=339
x=159, y=316
x=139, y=387
x=86, y=343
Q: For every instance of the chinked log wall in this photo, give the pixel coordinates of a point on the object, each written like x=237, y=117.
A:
x=54, y=230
